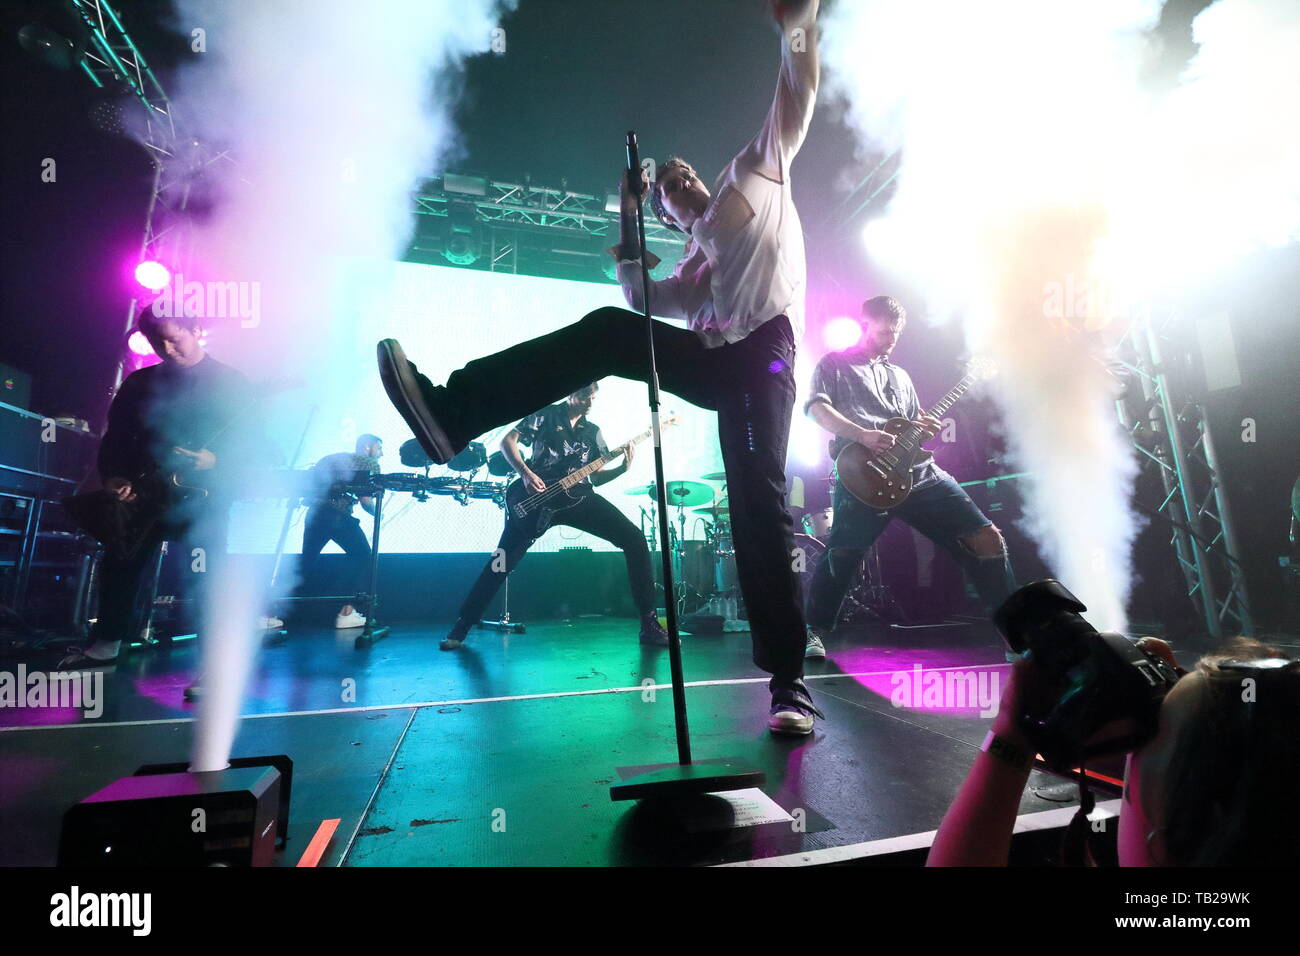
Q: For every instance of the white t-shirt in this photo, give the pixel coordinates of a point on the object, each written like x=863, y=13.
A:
x=744, y=263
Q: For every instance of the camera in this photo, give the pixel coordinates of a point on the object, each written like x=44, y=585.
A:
x=1090, y=680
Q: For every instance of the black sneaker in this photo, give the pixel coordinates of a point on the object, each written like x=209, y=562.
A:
x=652, y=632
x=452, y=644
x=792, y=709
x=814, y=649
x=406, y=389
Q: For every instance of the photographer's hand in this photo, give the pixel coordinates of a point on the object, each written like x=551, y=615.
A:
x=976, y=830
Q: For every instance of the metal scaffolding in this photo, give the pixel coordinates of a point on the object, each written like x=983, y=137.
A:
x=504, y=210
x=1170, y=431
x=111, y=59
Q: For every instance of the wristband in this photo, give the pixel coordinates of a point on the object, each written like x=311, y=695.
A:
x=1007, y=752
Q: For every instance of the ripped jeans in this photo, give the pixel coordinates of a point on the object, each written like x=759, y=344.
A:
x=943, y=512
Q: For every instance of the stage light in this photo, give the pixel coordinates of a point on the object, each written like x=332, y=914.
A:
x=138, y=344
x=841, y=333
x=153, y=275
x=807, y=442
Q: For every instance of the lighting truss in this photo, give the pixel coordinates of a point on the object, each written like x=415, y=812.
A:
x=505, y=208
x=111, y=59
x=1172, y=434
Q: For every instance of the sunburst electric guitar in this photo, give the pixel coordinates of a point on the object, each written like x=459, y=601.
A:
x=883, y=480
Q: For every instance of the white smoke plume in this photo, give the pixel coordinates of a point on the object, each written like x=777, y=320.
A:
x=332, y=112
x=1047, y=197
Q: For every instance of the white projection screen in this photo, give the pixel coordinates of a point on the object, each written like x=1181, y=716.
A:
x=444, y=317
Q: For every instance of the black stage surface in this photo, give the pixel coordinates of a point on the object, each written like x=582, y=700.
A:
x=502, y=754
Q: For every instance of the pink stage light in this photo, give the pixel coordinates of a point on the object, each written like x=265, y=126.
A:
x=154, y=276
x=842, y=333
x=139, y=345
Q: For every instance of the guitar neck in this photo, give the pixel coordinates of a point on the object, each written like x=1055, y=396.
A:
x=593, y=466
x=949, y=400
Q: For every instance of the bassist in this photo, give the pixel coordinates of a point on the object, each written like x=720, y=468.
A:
x=562, y=441
x=853, y=394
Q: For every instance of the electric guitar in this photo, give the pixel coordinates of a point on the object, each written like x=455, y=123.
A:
x=124, y=526
x=538, y=508
x=883, y=479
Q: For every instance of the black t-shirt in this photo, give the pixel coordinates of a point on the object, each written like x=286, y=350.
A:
x=557, y=446
x=208, y=405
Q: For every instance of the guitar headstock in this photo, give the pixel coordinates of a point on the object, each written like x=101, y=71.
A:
x=981, y=368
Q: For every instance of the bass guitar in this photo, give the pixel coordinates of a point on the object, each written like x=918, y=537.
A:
x=538, y=508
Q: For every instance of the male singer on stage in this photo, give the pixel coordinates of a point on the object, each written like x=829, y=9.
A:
x=740, y=287
x=853, y=394
x=563, y=440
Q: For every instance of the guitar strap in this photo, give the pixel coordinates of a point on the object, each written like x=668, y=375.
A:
x=892, y=388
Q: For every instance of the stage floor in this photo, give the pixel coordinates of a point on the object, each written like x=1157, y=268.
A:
x=502, y=754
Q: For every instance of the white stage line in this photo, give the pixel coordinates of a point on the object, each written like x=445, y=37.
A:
x=1025, y=823
x=635, y=689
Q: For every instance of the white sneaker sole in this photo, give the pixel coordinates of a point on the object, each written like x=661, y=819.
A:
x=790, y=723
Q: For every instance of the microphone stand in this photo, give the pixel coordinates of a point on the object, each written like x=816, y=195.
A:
x=685, y=778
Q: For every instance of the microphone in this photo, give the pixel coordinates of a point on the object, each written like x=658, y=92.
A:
x=633, y=162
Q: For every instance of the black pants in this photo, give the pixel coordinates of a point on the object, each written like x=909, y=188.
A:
x=124, y=581
x=325, y=524
x=749, y=383
x=594, y=515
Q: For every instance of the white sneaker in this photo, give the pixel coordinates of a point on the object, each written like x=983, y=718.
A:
x=355, y=619
x=271, y=623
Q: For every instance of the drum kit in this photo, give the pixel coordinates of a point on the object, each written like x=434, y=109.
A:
x=706, y=571
x=462, y=487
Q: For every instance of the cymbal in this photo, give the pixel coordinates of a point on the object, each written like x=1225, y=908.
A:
x=681, y=493
x=688, y=493
x=716, y=476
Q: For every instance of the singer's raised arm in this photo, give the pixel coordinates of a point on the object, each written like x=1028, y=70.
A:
x=791, y=112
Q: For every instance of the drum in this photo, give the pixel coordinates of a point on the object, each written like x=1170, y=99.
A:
x=725, y=577
x=817, y=524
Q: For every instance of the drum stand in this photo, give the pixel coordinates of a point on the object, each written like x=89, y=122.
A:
x=372, y=631
x=724, y=602
x=870, y=595
x=504, y=624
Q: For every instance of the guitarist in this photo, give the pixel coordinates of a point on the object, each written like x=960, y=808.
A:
x=562, y=441
x=853, y=394
x=166, y=420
